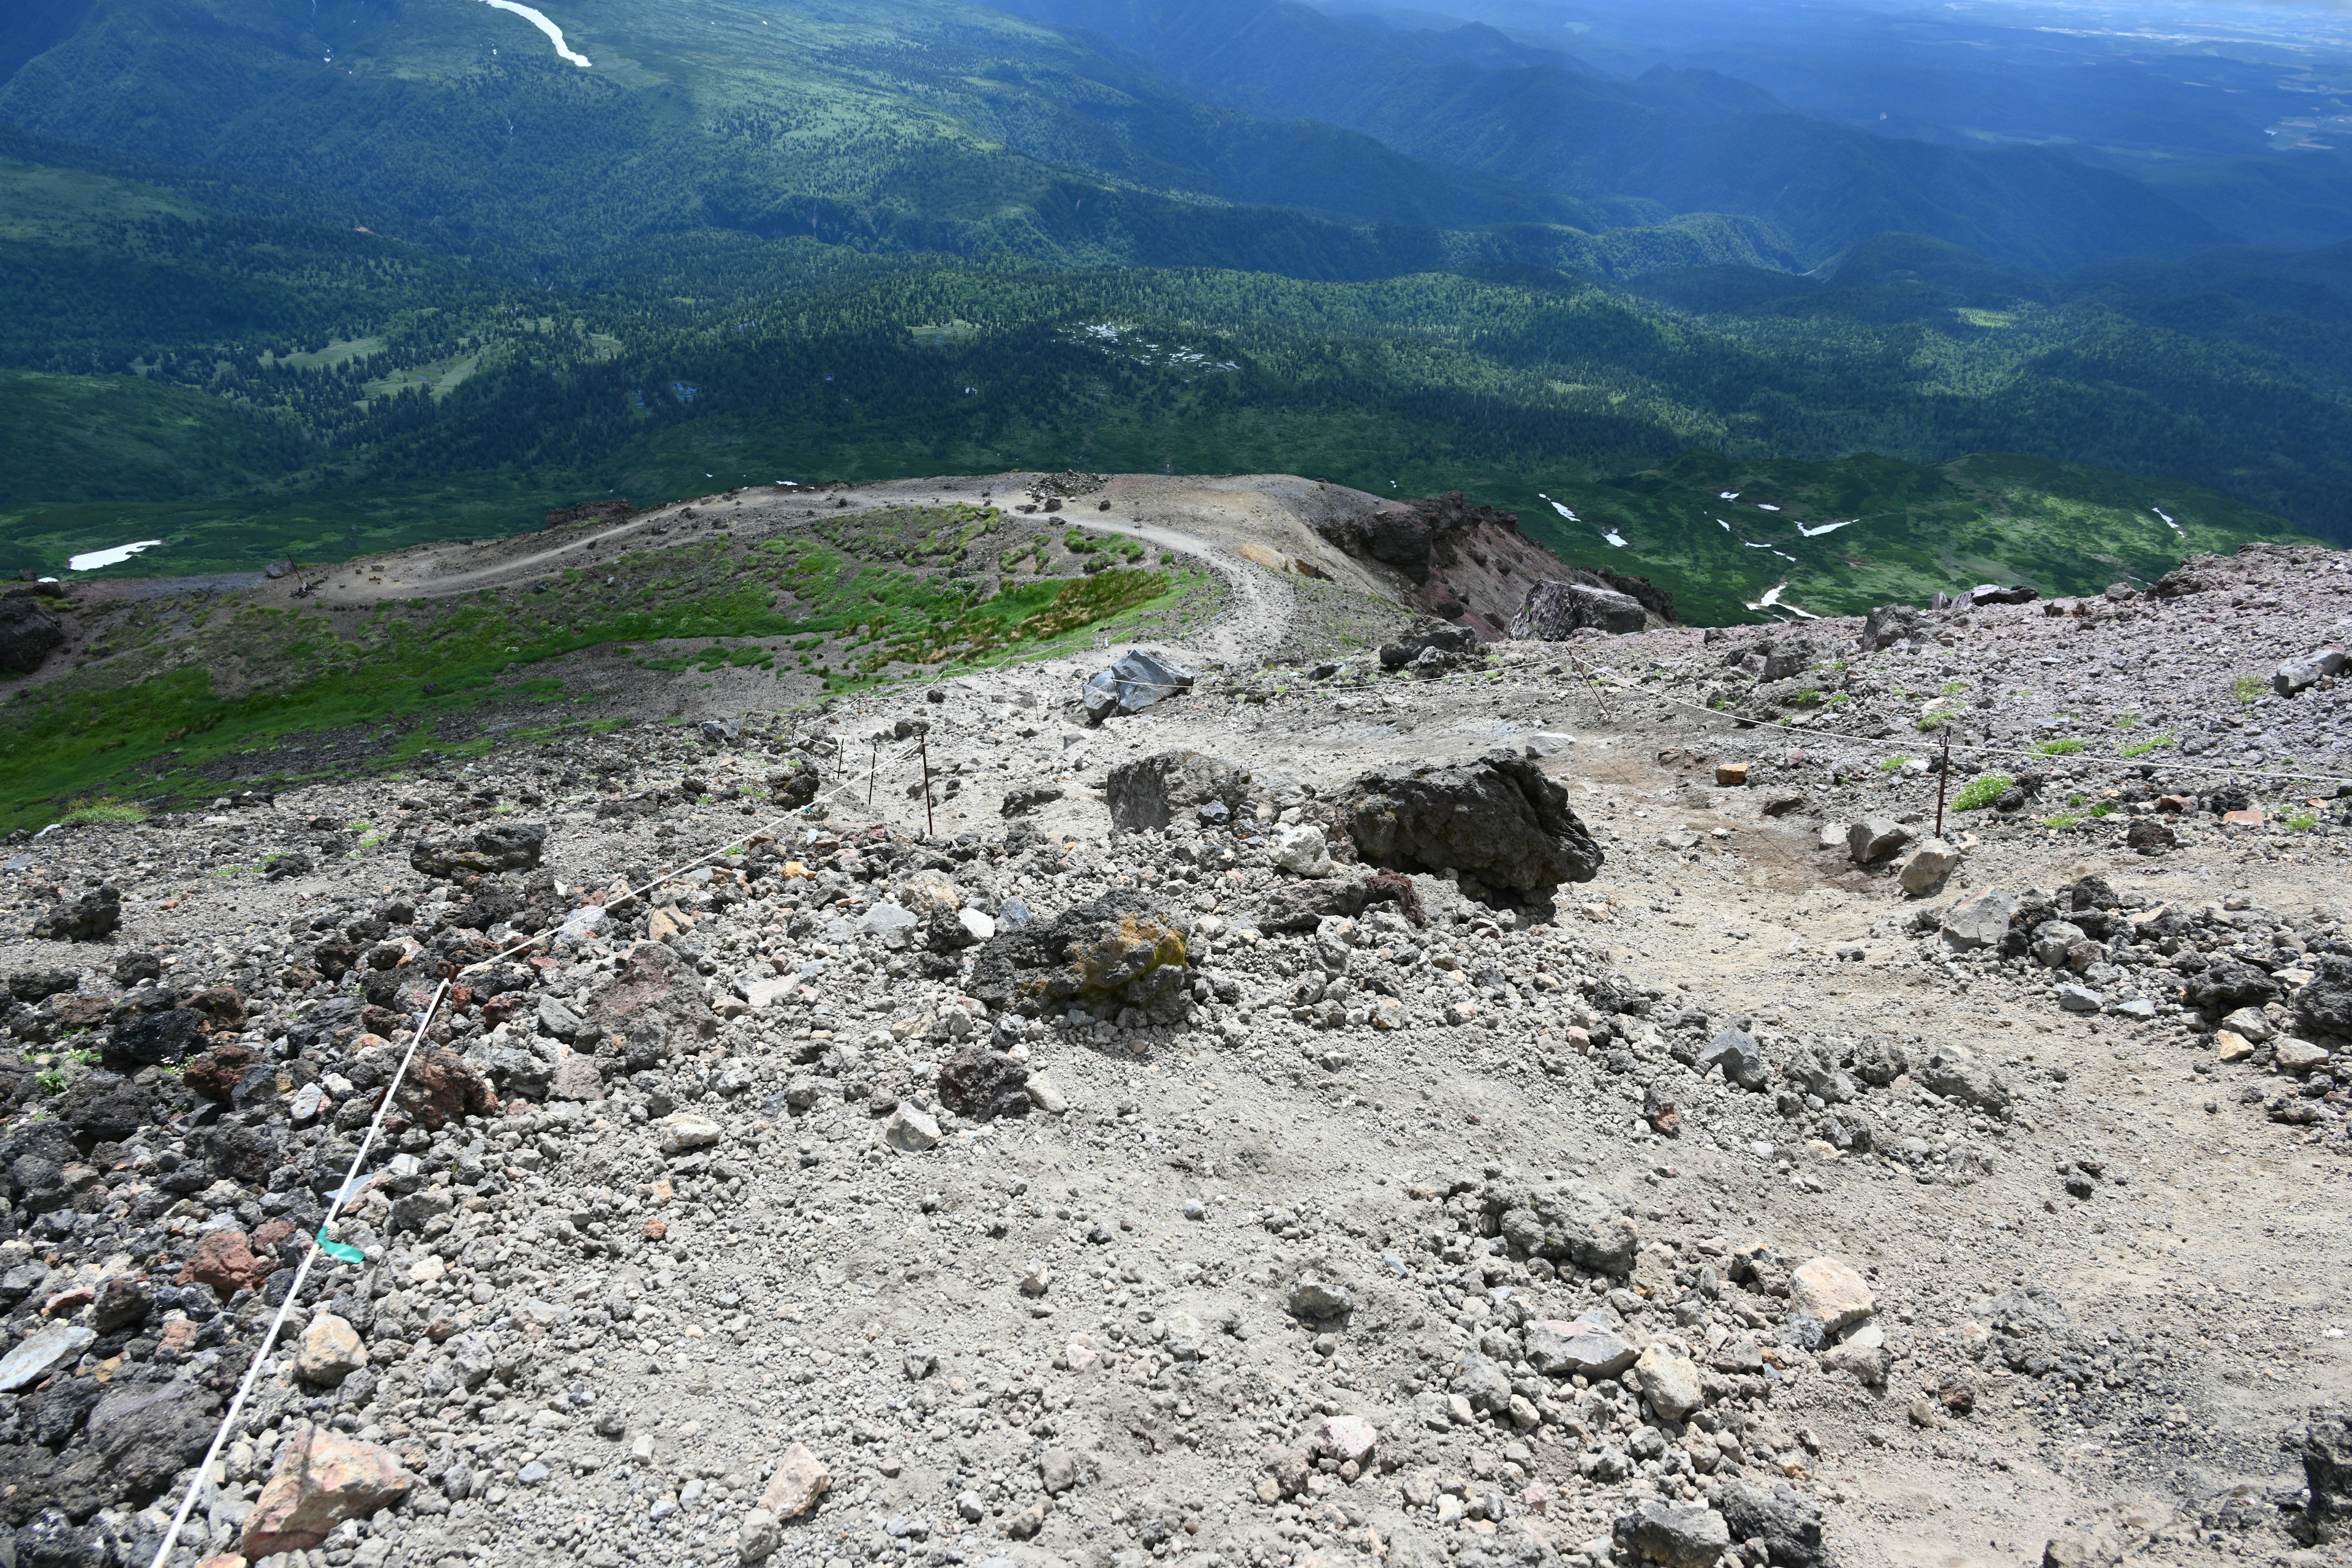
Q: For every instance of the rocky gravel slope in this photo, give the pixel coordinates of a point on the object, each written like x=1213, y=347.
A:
x=1537, y=1103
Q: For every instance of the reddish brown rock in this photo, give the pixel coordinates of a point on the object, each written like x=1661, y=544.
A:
x=321, y=1480
x=215, y=1074
x=222, y=1006
x=441, y=1088
x=656, y=986
x=225, y=1261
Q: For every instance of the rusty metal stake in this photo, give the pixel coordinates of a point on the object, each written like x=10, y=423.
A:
x=873, y=769
x=923, y=742
x=1943, y=780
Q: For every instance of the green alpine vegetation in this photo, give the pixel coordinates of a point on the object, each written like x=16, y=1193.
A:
x=172, y=688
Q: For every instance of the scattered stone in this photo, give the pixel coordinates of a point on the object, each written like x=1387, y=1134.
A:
x=1923, y=871
x=322, y=1479
x=984, y=1084
x=1057, y=1471
x=1589, y=1347
x=1978, y=922
x=1316, y=1299
x=225, y=1260
x=911, y=1128
x=1873, y=838
x=2304, y=671
x=41, y=1352
x=1670, y=1381
x=1676, y=1535
x=1349, y=1439
x=330, y=1352
x=2298, y=1056
x=1830, y=1293
x=1787, y=1520
x=1740, y=1057
x=801, y=1479
x=683, y=1132
x=1303, y=850
x=1029, y=799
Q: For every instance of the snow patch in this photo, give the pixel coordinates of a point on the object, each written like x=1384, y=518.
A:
x=538, y=19
x=95, y=559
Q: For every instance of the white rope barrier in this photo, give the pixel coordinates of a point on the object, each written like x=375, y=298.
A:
x=351, y=1184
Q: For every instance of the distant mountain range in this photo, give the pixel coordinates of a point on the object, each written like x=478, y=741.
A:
x=284, y=277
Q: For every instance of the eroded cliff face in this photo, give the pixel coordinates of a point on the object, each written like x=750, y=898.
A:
x=1470, y=565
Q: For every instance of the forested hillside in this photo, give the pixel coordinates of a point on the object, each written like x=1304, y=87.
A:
x=316, y=283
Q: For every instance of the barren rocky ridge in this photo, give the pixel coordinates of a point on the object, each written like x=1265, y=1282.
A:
x=1517, y=1101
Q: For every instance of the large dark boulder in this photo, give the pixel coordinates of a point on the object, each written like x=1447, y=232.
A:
x=1152, y=792
x=1787, y=1520
x=94, y=917
x=2230, y=985
x=33, y=985
x=2325, y=1446
x=146, y=1433
x=1122, y=950
x=497, y=847
x=29, y=634
x=1497, y=818
x=2324, y=1006
x=148, y=1039
x=1452, y=641
x=984, y=1084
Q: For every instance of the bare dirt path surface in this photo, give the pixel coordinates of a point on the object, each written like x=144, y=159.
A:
x=1031, y=1192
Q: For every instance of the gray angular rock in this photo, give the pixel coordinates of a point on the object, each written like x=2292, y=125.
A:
x=2306, y=670
x=1312, y=1298
x=1588, y=1346
x=1957, y=1073
x=1152, y=792
x=1497, y=819
x=1484, y=1385
x=1873, y=838
x=1890, y=623
x=1787, y=1520
x=1555, y=611
x=1574, y=1222
x=1740, y=1058
x=1978, y=922
x=1676, y=1535
x=42, y=1353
